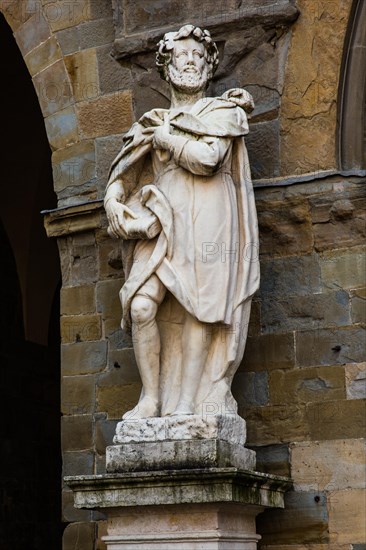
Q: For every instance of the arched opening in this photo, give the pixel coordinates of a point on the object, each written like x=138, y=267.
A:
x=29, y=318
x=352, y=93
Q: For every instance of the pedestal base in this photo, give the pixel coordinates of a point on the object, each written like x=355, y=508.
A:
x=183, y=527
x=194, y=509
x=179, y=442
x=176, y=455
x=230, y=428
x=180, y=483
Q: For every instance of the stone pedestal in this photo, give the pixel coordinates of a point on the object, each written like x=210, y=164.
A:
x=180, y=483
x=176, y=442
x=192, y=509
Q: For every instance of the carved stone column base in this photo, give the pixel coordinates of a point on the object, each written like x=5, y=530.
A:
x=192, y=509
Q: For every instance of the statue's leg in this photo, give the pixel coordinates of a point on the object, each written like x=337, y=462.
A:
x=146, y=341
x=195, y=350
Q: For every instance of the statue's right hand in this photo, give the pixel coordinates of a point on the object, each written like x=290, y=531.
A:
x=116, y=214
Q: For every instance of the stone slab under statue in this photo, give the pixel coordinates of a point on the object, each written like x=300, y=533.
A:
x=181, y=199
x=178, y=442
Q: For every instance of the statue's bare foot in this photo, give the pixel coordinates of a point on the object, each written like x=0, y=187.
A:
x=183, y=408
x=145, y=408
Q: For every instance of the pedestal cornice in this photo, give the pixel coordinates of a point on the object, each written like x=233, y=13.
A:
x=228, y=485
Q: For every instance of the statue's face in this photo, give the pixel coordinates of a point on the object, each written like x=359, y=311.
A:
x=188, y=68
x=189, y=56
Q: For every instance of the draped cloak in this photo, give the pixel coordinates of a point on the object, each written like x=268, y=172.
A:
x=206, y=254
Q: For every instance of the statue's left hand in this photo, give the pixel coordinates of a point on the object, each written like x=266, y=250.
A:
x=240, y=97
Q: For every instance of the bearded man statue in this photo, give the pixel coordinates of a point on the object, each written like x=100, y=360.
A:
x=181, y=198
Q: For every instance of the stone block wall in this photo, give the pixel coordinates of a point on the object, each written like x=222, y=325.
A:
x=310, y=96
x=99, y=376
x=86, y=102
x=301, y=385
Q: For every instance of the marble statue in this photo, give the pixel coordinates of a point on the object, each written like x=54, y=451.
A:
x=181, y=198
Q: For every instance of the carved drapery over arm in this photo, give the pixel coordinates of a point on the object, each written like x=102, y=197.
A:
x=202, y=158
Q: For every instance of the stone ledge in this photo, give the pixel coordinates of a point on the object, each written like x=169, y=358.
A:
x=86, y=216
x=179, y=487
x=90, y=215
x=175, y=455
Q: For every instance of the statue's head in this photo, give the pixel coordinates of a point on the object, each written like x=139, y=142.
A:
x=187, y=59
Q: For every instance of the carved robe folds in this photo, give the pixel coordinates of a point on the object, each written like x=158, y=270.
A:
x=206, y=253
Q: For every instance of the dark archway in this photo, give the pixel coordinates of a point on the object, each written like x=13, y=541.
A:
x=352, y=93
x=30, y=506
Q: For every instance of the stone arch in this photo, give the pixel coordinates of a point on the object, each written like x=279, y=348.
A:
x=29, y=316
x=33, y=29
x=57, y=42
x=26, y=189
x=45, y=62
x=352, y=93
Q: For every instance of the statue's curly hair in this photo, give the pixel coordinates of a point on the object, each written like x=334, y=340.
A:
x=166, y=46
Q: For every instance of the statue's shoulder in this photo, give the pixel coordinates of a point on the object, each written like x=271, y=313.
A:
x=235, y=99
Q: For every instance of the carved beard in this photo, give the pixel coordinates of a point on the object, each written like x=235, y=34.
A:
x=188, y=82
